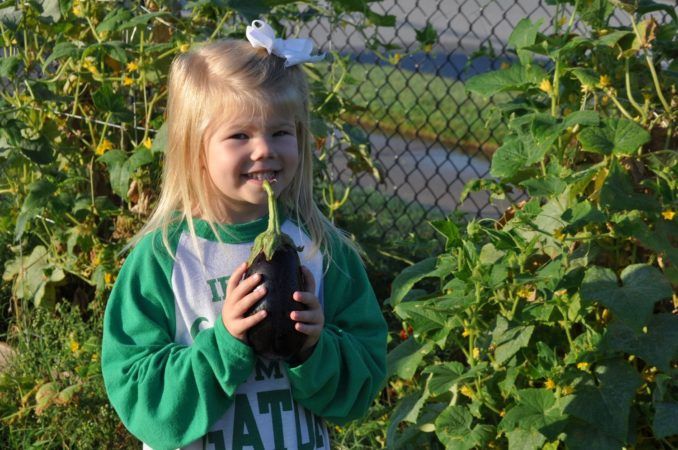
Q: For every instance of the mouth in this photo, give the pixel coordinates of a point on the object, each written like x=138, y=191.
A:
x=270, y=175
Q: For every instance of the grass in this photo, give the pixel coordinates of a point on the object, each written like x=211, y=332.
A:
x=423, y=105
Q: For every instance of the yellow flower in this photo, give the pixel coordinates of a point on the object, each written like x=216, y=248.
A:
x=88, y=64
x=567, y=390
x=466, y=332
x=128, y=81
x=103, y=147
x=476, y=353
x=585, y=87
x=467, y=391
x=562, y=21
x=558, y=234
x=75, y=346
x=95, y=357
x=502, y=413
x=132, y=66
x=525, y=291
x=77, y=9
x=668, y=214
x=148, y=143
x=550, y=384
x=183, y=48
x=582, y=366
x=546, y=86
x=395, y=58
x=604, y=81
x=108, y=278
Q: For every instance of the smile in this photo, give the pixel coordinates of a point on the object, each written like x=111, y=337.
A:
x=271, y=175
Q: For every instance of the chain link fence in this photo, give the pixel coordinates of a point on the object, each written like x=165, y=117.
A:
x=429, y=136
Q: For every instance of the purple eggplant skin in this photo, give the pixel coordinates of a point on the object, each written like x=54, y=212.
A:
x=275, y=336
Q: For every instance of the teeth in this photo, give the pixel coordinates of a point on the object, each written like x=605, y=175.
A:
x=261, y=176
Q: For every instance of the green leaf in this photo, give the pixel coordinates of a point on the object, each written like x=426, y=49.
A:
x=618, y=194
x=107, y=100
x=606, y=404
x=34, y=276
x=665, y=422
x=524, y=34
x=538, y=410
x=444, y=376
x=520, y=439
x=405, y=358
x=611, y=39
x=119, y=171
x=582, y=214
x=160, y=141
x=143, y=19
x=596, y=12
x=60, y=51
x=39, y=194
x=427, y=36
x=114, y=19
x=449, y=230
x=545, y=187
x=407, y=410
x=579, y=435
x=509, y=341
x=453, y=428
x=660, y=328
x=615, y=136
x=632, y=302
x=586, y=77
x=408, y=278
x=514, y=155
x=648, y=6
x=516, y=77
x=9, y=66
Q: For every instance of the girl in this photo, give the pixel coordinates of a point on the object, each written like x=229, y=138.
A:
x=176, y=362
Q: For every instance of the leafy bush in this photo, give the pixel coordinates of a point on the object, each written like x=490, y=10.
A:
x=555, y=326
x=52, y=394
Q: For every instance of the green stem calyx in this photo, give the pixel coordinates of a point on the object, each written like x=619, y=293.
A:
x=273, y=238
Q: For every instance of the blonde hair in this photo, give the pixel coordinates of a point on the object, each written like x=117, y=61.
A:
x=208, y=82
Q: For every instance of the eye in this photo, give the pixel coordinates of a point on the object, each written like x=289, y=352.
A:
x=238, y=136
x=281, y=133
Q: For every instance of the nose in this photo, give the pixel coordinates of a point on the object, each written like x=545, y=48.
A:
x=263, y=148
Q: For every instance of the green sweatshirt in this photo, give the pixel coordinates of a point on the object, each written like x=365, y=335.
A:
x=178, y=379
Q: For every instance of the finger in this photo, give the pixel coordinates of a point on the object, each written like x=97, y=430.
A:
x=246, y=323
x=248, y=301
x=309, y=281
x=236, y=276
x=247, y=285
x=307, y=298
x=308, y=329
x=309, y=317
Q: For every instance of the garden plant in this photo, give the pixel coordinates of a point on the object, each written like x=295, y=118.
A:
x=555, y=326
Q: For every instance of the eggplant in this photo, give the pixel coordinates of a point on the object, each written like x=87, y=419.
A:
x=276, y=258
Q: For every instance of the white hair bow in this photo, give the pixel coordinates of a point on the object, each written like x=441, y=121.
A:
x=295, y=51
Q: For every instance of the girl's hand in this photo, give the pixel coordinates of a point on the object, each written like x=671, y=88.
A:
x=312, y=320
x=240, y=297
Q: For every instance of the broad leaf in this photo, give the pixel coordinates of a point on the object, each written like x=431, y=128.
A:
x=525, y=439
x=453, y=428
x=538, y=410
x=632, y=302
x=615, y=136
x=407, y=410
x=409, y=277
x=405, y=358
x=524, y=34
x=516, y=77
x=665, y=423
x=618, y=194
x=509, y=341
x=444, y=376
x=605, y=405
x=660, y=328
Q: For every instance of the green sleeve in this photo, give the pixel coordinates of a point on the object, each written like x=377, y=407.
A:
x=166, y=394
x=348, y=365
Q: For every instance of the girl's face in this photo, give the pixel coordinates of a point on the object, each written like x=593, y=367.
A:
x=239, y=154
